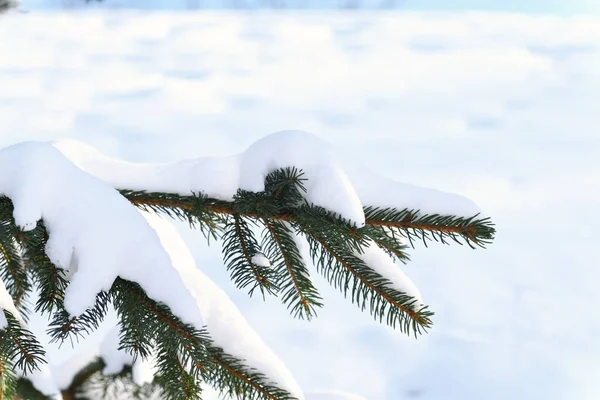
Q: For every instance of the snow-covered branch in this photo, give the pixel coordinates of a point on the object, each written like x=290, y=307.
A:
x=71, y=219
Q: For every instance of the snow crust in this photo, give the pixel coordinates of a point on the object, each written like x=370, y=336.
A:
x=94, y=232
x=225, y=323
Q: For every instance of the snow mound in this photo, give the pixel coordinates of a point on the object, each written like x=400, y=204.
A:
x=94, y=232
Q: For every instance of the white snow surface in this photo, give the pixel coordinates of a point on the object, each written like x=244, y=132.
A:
x=225, y=323
x=499, y=107
x=93, y=230
x=332, y=395
x=332, y=181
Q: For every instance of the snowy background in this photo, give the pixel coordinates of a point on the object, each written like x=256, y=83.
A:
x=503, y=108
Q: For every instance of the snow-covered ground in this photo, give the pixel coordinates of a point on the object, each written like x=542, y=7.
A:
x=502, y=108
x=532, y=6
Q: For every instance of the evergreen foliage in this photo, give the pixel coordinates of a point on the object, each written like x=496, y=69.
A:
x=186, y=357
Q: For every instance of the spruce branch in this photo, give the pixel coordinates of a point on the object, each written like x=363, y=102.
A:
x=340, y=242
x=13, y=271
x=179, y=354
x=20, y=346
x=298, y=291
x=63, y=326
x=231, y=377
x=187, y=356
x=409, y=223
x=176, y=382
x=13, y=264
x=388, y=240
x=339, y=263
x=8, y=380
x=26, y=391
x=239, y=249
x=77, y=389
x=151, y=327
x=412, y=224
x=177, y=345
x=51, y=281
x=196, y=209
x=90, y=383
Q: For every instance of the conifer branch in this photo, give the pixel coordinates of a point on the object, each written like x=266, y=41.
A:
x=13, y=272
x=13, y=269
x=176, y=382
x=412, y=224
x=233, y=378
x=282, y=203
x=50, y=280
x=52, y=283
x=298, y=290
x=90, y=384
x=196, y=209
x=8, y=380
x=387, y=240
x=63, y=326
x=81, y=379
x=239, y=249
x=26, y=391
x=191, y=348
x=185, y=355
x=341, y=267
x=20, y=346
